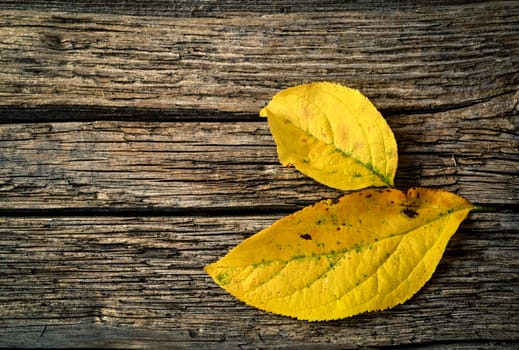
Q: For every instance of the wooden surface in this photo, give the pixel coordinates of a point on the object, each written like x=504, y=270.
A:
x=131, y=155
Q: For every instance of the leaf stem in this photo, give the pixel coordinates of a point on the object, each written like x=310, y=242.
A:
x=484, y=209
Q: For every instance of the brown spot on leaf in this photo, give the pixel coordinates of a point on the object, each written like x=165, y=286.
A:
x=410, y=213
x=305, y=236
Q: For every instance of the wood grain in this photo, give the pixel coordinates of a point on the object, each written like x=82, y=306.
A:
x=187, y=165
x=211, y=8
x=405, y=59
x=68, y=276
x=131, y=155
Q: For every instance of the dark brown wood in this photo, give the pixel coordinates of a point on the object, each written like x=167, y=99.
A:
x=63, y=276
x=131, y=155
x=211, y=8
x=187, y=165
x=412, y=59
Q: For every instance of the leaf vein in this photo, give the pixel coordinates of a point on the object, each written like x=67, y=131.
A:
x=368, y=166
x=378, y=270
x=344, y=251
x=385, y=260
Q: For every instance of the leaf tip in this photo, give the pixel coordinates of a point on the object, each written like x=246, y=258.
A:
x=263, y=112
x=222, y=278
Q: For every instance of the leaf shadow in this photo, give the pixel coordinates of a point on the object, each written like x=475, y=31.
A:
x=423, y=159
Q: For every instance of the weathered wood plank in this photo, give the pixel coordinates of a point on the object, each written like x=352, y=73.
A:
x=138, y=165
x=211, y=8
x=404, y=59
x=120, y=281
x=446, y=75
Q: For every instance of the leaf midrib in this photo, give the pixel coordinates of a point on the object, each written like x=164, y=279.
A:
x=343, y=251
x=340, y=252
x=370, y=167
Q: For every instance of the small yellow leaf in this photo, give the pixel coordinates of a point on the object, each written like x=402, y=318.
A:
x=370, y=251
x=333, y=134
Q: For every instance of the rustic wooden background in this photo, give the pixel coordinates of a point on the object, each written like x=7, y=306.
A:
x=131, y=155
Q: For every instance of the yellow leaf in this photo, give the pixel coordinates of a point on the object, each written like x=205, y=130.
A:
x=370, y=251
x=333, y=134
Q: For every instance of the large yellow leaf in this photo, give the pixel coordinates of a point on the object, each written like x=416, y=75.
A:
x=370, y=251
x=333, y=134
